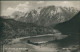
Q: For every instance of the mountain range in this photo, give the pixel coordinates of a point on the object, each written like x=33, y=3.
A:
x=43, y=20
x=46, y=16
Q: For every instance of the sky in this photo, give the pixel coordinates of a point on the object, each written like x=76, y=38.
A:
x=8, y=7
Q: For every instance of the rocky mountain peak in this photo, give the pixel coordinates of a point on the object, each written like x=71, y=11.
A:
x=46, y=16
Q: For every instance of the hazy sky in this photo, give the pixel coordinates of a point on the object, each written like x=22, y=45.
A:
x=8, y=7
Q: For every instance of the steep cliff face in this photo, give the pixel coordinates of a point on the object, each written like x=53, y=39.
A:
x=46, y=16
x=53, y=15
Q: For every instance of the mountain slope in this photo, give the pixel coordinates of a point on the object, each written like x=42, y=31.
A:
x=53, y=15
x=46, y=16
x=70, y=27
x=15, y=29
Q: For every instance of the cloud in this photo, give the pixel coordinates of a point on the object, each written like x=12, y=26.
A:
x=26, y=6
x=27, y=2
x=40, y=2
x=20, y=7
x=10, y=10
x=23, y=7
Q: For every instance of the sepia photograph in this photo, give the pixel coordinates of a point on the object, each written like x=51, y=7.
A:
x=39, y=26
